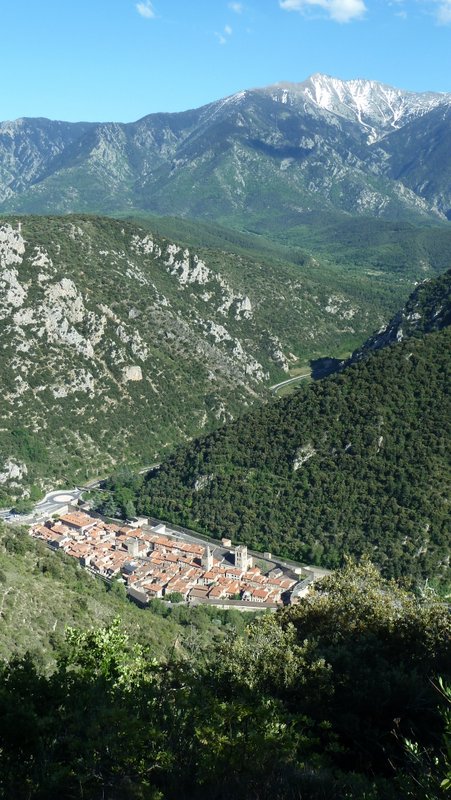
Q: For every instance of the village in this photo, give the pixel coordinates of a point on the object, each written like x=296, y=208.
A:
x=156, y=562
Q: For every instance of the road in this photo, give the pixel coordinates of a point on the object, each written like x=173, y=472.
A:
x=56, y=500
x=277, y=386
x=52, y=503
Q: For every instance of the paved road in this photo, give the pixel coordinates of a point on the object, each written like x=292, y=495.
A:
x=287, y=382
x=52, y=503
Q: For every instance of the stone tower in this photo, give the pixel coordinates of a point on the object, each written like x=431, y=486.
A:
x=207, y=560
x=132, y=546
x=241, y=559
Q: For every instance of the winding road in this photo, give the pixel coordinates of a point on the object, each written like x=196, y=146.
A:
x=52, y=503
x=277, y=386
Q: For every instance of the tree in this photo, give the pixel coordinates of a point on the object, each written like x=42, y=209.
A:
x=23, y=506
x=129, y=509
x=174, y=597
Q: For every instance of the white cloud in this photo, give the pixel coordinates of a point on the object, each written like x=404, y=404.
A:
x=222, y=37
x=236, y=7
x=338, y=10
x=145, y=9
x=444, y=13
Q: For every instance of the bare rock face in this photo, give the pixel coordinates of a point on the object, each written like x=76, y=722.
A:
x=12, y=471
x=302, y=455
x=12, y=246
x=132, y=374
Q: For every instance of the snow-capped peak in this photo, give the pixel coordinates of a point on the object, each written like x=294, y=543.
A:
x=378, y=108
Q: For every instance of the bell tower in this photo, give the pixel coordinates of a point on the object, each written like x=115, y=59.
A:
x=241, y=558
x=207, y=560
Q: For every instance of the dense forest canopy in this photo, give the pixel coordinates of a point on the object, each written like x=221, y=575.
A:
x=358, y=463
x=340, y=698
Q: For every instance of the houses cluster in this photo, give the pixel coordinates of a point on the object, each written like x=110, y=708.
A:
x=156, y=563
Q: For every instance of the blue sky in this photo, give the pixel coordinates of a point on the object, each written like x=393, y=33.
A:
x=122, y=59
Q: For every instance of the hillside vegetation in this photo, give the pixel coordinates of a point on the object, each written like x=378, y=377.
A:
x=358, y=463
x=427, y=309
x=345, y=247
x=343, y=697
x=43, y=592
x=118, y=344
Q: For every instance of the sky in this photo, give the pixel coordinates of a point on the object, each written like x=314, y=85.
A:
x=118, y=60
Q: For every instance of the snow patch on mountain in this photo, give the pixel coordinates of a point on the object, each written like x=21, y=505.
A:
x=376, y=107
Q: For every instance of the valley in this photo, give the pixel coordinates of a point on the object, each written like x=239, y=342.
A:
x=118, y=344
x=225, y=350
x=131, y=346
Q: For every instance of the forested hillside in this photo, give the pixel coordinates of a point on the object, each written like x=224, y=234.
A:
x=358, y=249
x=358, y=463
x=343, y=697
x=427, y=309
x=118, y=344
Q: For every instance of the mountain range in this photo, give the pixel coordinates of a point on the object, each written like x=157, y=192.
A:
x=259, y=157
x=310, y=211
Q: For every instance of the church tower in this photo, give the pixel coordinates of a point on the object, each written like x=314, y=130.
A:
x=207, y=560
x=241, y=559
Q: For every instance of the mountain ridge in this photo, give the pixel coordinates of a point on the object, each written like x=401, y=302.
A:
x=324, y=144
x=384, y=104
x=427, y=309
